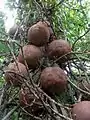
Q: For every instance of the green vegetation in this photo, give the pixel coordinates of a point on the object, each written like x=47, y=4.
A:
x=70, y=20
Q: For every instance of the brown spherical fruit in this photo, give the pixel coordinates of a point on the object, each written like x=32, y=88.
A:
x=32, y=55
x=81, y=111
x=29, y=102
x=47, y=24
x=38, y=34
x=58, y=48
x=53, y=80
x=14, y=73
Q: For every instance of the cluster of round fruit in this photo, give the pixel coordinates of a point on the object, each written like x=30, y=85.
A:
x=41, y=43
x=52, y=79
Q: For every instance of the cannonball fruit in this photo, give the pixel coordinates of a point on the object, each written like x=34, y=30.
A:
x=58, y=48
x=53, y=80
x=48, y=25
x=81, y=111
x=15, y=73
x=32, y=55
x=29, y=102
x=38, y=34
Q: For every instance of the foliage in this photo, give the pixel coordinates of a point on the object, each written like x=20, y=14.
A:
x=3, y=35
x=3, y=46
x=2, y=27
x=70, y=21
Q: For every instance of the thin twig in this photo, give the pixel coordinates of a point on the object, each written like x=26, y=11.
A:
x=79, y=38
x=10, y=113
